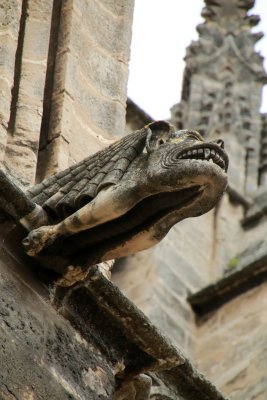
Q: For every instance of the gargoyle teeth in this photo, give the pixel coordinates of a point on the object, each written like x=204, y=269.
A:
x=207, y=153
x=203, y=154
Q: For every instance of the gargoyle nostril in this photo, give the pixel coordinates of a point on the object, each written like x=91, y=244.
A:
x=220, y=142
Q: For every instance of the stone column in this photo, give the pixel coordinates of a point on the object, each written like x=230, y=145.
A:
x=28, y=90
x=10, y=12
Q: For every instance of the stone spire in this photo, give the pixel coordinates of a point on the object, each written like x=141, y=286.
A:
x=222, y=86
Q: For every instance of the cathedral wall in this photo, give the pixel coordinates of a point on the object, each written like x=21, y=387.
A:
x=228, y=236
x=231, y=346
x=195, y=253
x=63, y=82
x=159, y=280
x=255, y=235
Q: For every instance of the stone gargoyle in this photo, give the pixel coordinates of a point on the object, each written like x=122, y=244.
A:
x=121, y=200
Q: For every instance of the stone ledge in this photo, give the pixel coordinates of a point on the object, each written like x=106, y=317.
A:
x=108, y=323
x=250, y=271
x=131, y=339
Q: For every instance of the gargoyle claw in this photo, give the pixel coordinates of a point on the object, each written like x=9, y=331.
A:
x=38, y=239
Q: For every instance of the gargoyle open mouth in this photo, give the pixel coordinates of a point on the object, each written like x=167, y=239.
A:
x=141, y=217
x=208, y=152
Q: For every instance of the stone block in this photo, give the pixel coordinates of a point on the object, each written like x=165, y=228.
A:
x=3, y=141
x=119, y=8
x=104, y=72
x=107, y=115
x=32, y=81
x=27, y=125
x=76, y=129
x=134, y=271
x=83, y=134
x=21, y=160
x=177, y=306
x=10, y=11
x=53, y=158
x=5, y=94
x=238, y=363
x=178, y=261
x=7, y=55
x=115, y=33
x=40, y=10
x=170, y=278
x=35, y=46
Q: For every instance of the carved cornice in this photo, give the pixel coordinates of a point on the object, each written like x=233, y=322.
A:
x=250, y=271
x=97, y=307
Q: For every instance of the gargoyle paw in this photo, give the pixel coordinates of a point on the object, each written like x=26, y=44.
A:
x=38, y=239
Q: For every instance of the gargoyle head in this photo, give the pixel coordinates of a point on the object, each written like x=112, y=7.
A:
x=186, y=169
x=180, y=176
x=127, y=197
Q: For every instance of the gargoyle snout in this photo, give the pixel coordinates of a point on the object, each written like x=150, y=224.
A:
x=220, y=143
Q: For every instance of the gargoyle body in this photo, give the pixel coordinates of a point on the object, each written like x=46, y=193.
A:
x=125, y=198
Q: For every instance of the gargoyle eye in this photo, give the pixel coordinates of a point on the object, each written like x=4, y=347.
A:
x=195, y=135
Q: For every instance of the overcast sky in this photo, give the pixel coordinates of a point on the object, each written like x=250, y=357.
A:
x=162, y=30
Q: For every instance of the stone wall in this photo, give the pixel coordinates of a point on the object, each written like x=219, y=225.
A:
x=196, y=252
x=42, y=356
x=231, y=346
x=63, y=82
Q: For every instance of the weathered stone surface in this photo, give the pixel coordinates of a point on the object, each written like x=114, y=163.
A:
x=239, y=334
x=130, y=331
x=9, y=15
x=247, y=270
x=44, y=357
x=118, y=8
x=87, y=103
x=109, y=37
x=100, y=69
x=135, y=389
x=26, y=114
x=9, y=28
x=3, y=140
x=60, y=72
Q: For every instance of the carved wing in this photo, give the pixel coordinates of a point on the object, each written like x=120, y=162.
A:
x=67, y=191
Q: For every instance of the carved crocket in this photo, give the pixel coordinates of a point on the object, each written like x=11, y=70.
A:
x=124, y=198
